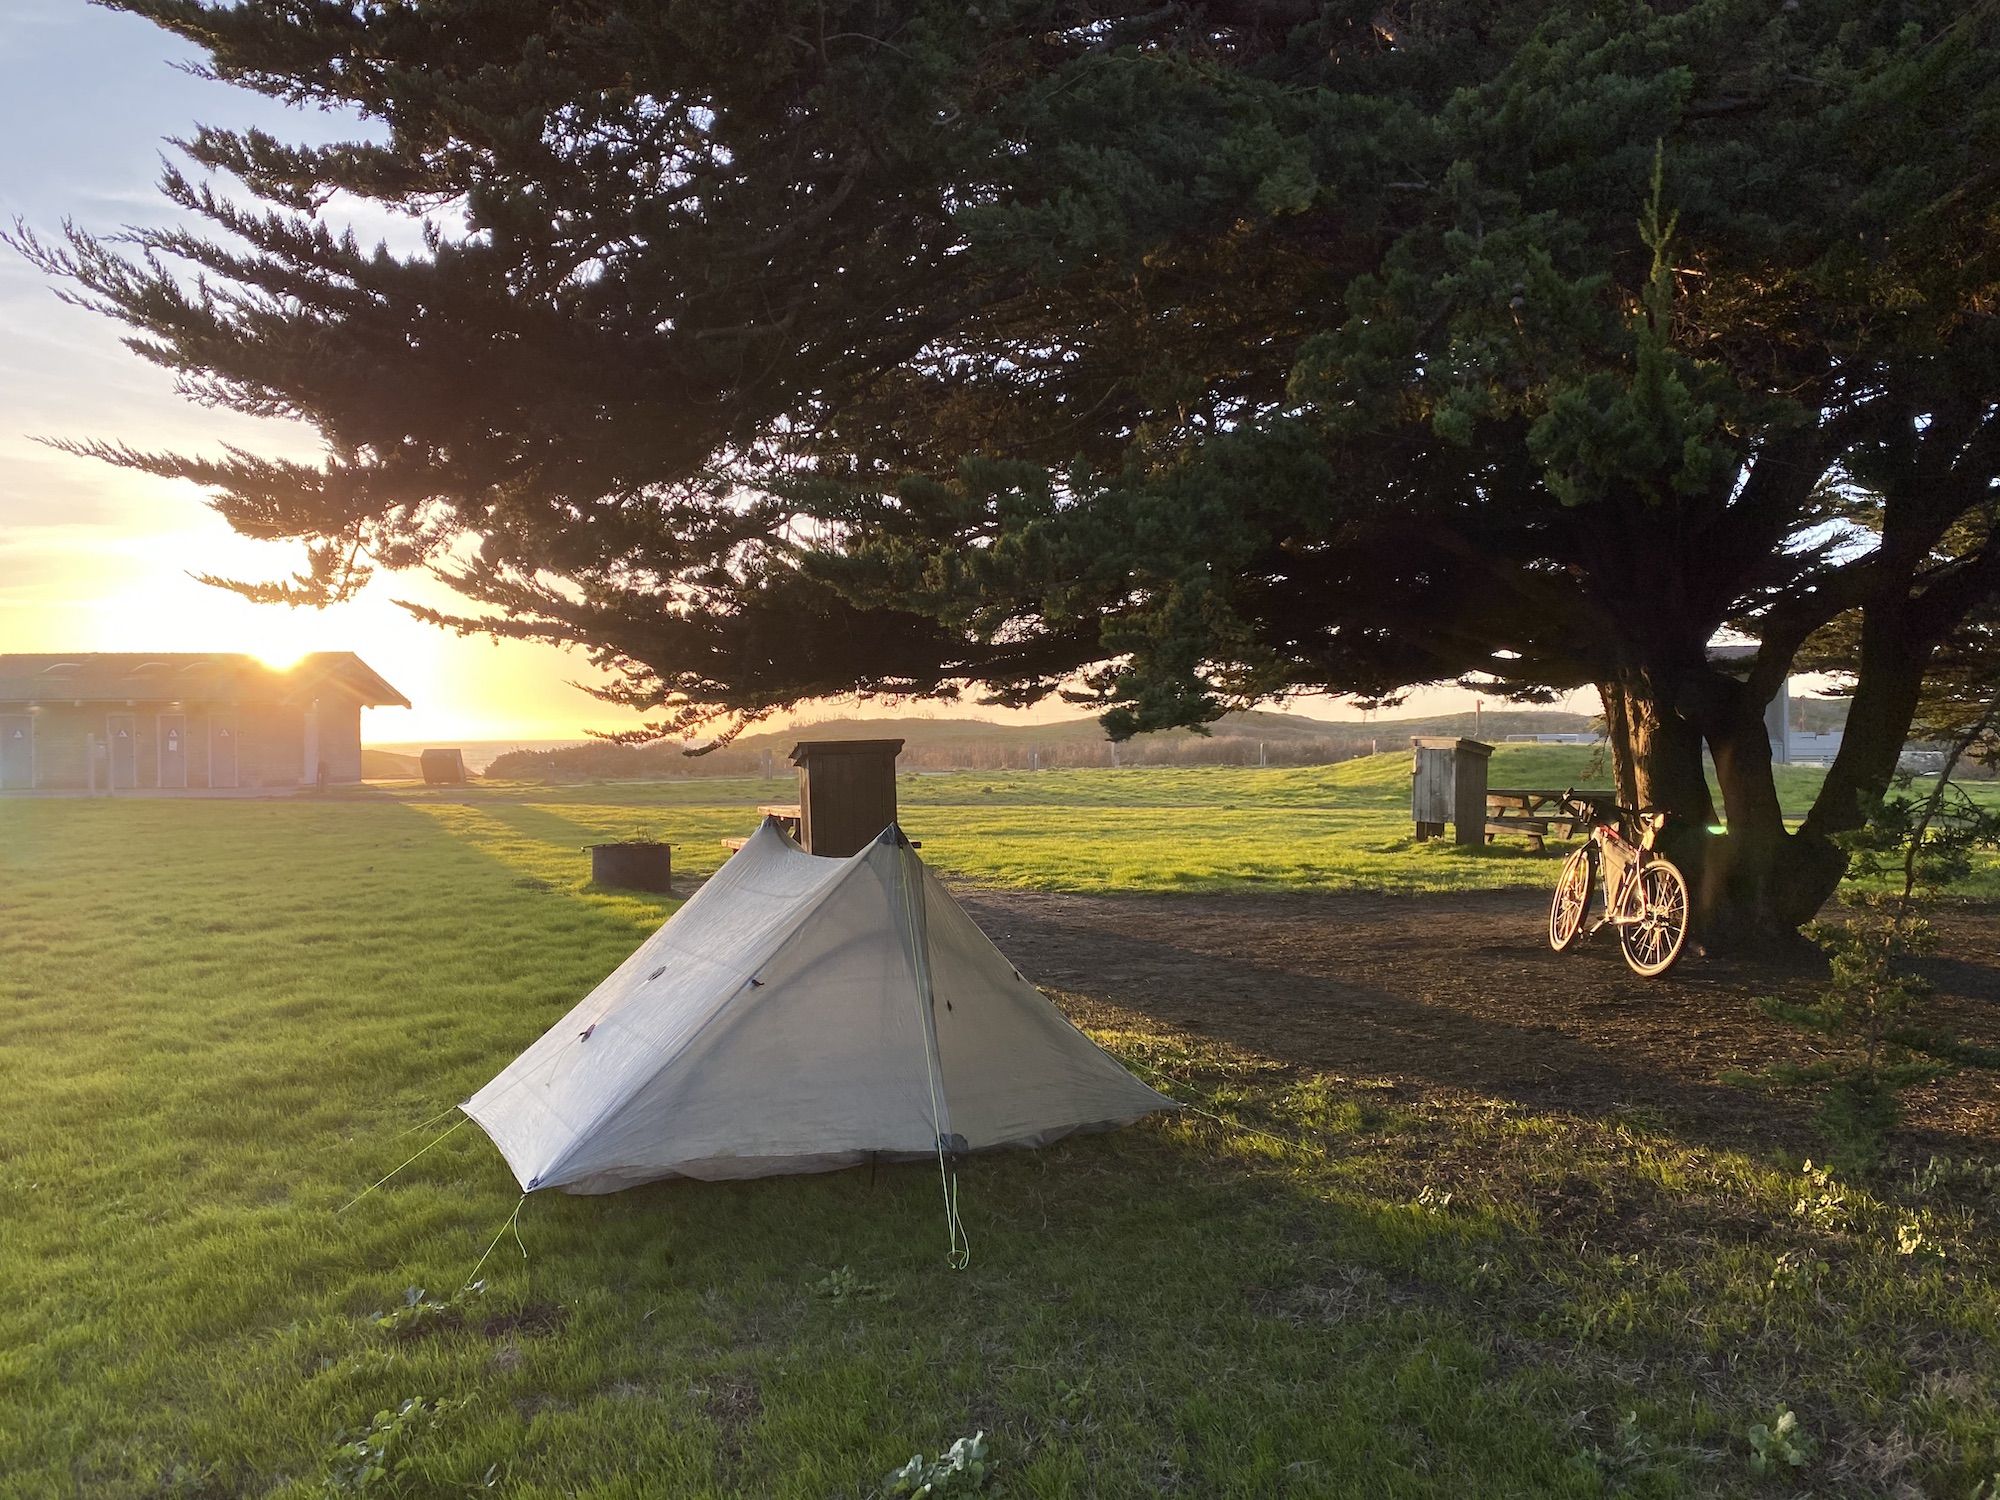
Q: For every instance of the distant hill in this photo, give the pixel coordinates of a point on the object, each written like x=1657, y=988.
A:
x=918, y=733
x=479, y=754
x=974, y=744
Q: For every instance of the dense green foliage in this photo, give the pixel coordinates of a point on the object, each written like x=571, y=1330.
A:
x=207, y=1051
x=1190, y=353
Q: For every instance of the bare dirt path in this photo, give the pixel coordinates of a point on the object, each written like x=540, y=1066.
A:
x=1461, y=992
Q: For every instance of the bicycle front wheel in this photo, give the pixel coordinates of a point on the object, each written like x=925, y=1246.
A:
x=1572, y=901
x=1653, y=944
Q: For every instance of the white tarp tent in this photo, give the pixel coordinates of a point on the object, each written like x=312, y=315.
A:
x=800, y=1014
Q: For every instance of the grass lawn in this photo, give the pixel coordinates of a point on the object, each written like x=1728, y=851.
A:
x=219, y=1021
x=1202, y=828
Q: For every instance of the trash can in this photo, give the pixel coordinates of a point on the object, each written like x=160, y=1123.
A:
x=1448, y=783
x=443, y=767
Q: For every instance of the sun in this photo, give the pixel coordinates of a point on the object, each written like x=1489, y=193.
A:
x=279, y=638
x=280, y=658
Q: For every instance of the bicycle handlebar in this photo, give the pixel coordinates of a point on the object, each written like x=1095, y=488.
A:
x=1593, y=807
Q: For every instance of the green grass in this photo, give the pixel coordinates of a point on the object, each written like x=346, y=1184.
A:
x=218, y=1022
x=1202, y=828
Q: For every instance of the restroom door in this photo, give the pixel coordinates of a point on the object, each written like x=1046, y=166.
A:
x=17, y=752
x=222, y=750
x=309, y=772
x=121, y=732
x=173, y=742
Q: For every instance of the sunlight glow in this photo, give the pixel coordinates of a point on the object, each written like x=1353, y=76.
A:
x=280, y=657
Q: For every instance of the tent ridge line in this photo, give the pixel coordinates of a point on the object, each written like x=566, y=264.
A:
x=917, y=944
x=916, y=919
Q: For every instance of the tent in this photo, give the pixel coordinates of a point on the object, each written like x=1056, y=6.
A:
x=801, y=1014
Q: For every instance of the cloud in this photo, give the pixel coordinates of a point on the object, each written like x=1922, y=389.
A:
x=24, y=24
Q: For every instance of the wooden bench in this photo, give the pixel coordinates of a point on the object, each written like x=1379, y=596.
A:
x=1533, y=813
x=1533, y=829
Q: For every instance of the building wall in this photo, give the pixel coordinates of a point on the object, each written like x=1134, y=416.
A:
x=270, y=741
x=1807, y=748
x=270, y=744
x=59, y=747
x=340, y=739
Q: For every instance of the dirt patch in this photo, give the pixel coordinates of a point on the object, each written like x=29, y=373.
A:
x=732, y=1403
x=1460, y=992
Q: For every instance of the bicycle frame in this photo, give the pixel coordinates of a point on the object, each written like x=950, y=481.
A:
x=1623, y=905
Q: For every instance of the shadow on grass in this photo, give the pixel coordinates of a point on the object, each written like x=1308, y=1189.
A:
x=1453, y=990
x=532, y=822
x=1111, y=1276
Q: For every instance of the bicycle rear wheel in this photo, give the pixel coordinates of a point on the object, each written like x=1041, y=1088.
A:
x=1653, y=944
x=1571, y=903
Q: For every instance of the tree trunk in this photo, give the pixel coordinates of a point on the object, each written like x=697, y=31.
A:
x=1888, y=684
x=1739, y=902
x=1756, y=884
x=1655, y=753
x=1739, y=880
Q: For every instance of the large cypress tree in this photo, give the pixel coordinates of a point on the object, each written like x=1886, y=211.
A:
x=1189, y=353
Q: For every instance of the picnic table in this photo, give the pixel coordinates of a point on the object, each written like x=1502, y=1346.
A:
x=1535, y=812
x=788, y=814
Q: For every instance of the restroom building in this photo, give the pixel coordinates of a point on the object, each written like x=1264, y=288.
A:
x=160, y=721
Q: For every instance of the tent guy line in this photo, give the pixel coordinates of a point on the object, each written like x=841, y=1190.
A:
x=958, y=1247
x=1312, y=1147
x=394, y=1170
x=514, y=1223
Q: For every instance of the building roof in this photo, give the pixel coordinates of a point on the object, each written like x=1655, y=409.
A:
x=167, y=676
x=351, y=672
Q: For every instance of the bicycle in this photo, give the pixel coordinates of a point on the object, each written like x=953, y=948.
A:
x=1645, y=895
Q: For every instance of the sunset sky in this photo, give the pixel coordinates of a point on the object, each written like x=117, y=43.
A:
x=95, y=558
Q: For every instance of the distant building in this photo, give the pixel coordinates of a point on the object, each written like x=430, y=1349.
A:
x=149, y=720
x=1804, y=747
x=1791, y=744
